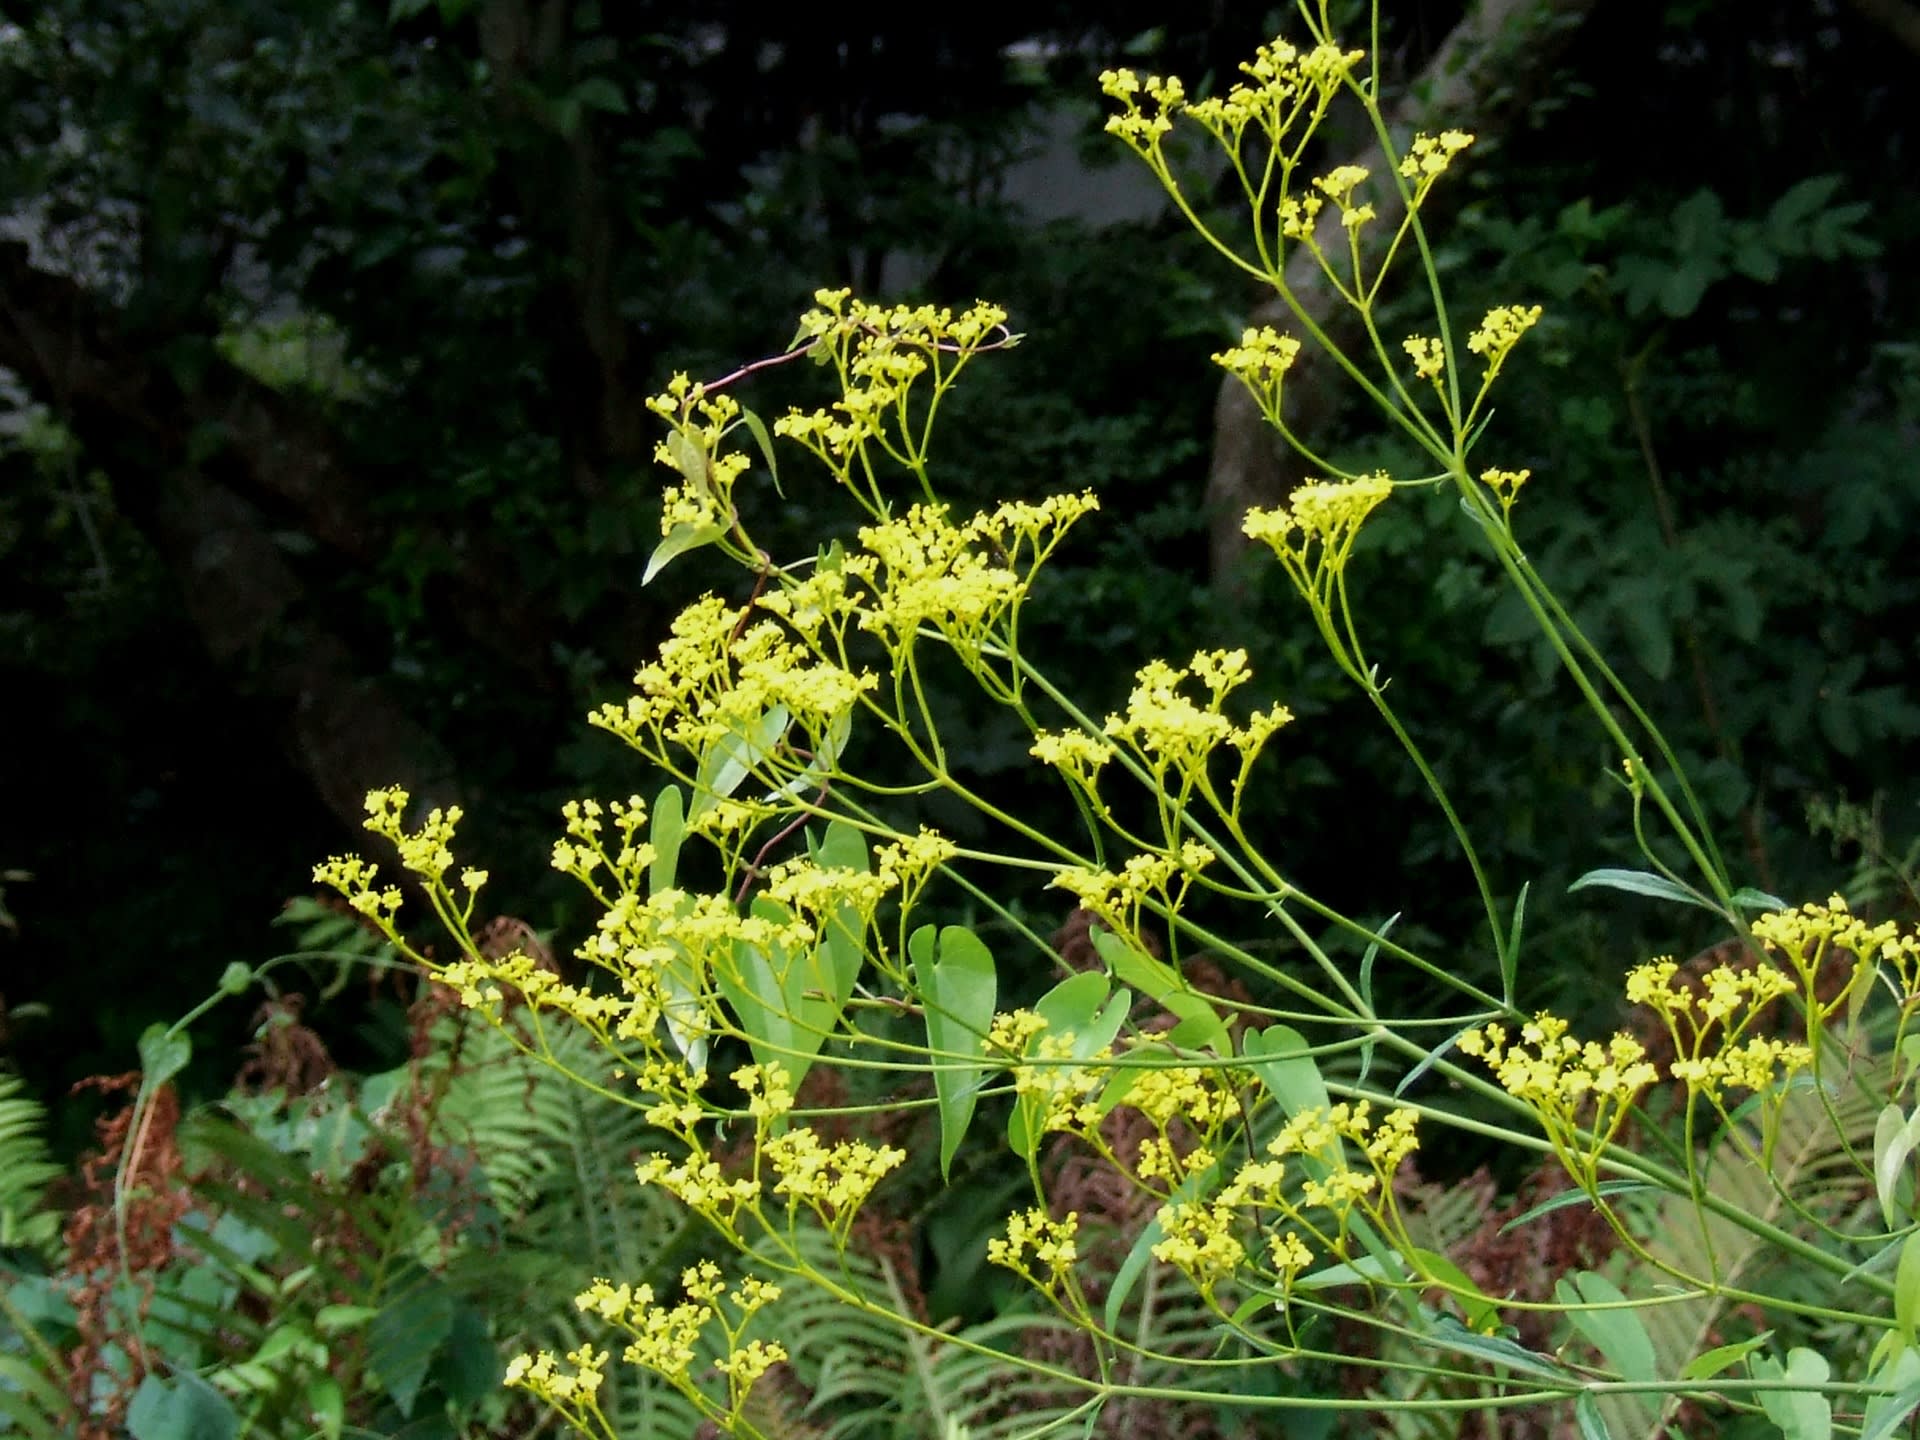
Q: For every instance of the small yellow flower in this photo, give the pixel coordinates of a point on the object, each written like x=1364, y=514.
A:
x=1429, y=356
x=1505, y=485
x=1037, y=1246
x=1012, y=1030
x=1200, y=1242
x=1428, y=157
x=752, y=1360
x=1500, y=331
x=1260, y=360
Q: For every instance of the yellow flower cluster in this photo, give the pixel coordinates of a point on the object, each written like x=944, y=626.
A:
x=661, y=951
x=666, y=1338
x=1729, y=1000
x=701, y=422
x=922, y=569
x=574, y=1392
x=910, y=860
x=355, y=879
x=1205, y=1240
x=926, y=570
x=1500, y=331
x=700, y=1184
x=1260, y=362
x=1141, y=131
x=1075, y=754
x=716, y=681
x=1203, y=1100
x=1283, y=86
x=1201, y=1241
x=1338, y=185
x=833, y=1181
x=1299, y=215
x=583, y=853
x=1564, y=1081
x=819, y=891
x=1313, y=533
x=674, y=1090
x=1202, y=1097
x=1176, y=734
x=1037, y=1247
x=481, y=985
x=1809, y=935
x=1505, y=485
x=426, y=852
x=768, y=1090
x=880, y=351
x=1143, y=880
x=749, y=1362
x=1428, y=157
x=1065, y=1084
x=1429, y=357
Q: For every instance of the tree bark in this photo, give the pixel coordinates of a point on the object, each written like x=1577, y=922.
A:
x=210, y=517
x=121, y=400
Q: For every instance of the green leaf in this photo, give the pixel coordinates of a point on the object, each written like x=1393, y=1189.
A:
x=684, y=536
x=1899, y=1386
x=1079, y=1006
x=1284, y=1061
x=1510, y=962
x=1432, y=1058
x=1619, y=1334
x=1642, y=604
x=1447, y=1333
x=1367, y=1270
x=733, y=757
x=336, y=1319
x=790, y=1001
x=164, y=1053
x=1200, y=1024
x=691, y=461
x=403, y=1337
x=758, y=429
x=327, y=1406
x=1802, y=1414
x=1586, y=1414
x=1576, y=1197
x=597, y=92
x=1643, y=882
x=958, y=990
x=1793, y=211
x=1710, y=1363
x=666, y=829
x=1482, y=1310
x=1748, y=898
x=1895, y=1136
x=1680, y=296
x=468, y=1368
x=183, y=1408
x=1906, y=1288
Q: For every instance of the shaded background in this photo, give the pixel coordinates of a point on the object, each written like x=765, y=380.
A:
x=323, y=463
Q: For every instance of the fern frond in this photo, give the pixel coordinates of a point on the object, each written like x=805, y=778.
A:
x=1709, y=1245
x=986, y=1393
x=26, y=1170
x=32, y=1406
